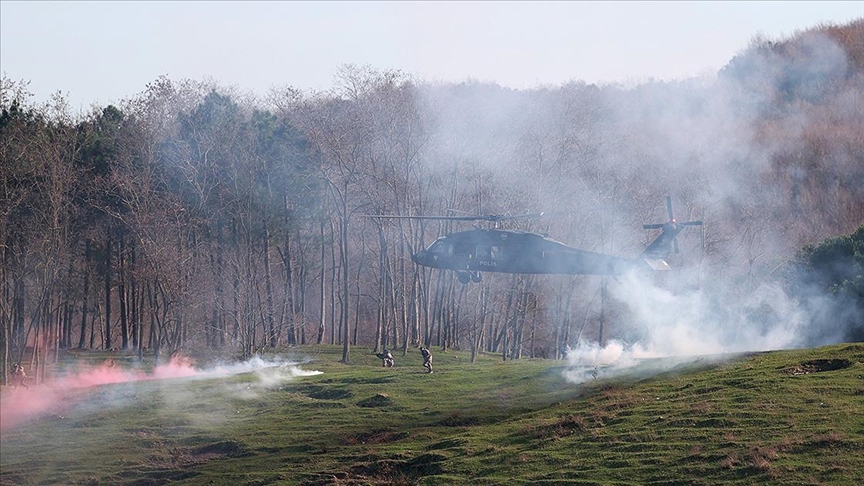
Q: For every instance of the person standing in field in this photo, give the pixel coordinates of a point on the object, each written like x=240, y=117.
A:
x=19, y=377
x=427, y=358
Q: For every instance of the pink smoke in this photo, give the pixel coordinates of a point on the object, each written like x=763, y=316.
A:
x=53, y=396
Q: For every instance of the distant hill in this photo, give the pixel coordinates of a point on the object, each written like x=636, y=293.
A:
x=809, y=89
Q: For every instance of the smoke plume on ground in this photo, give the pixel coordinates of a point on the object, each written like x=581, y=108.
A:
x=687, y=324
x=74, y=389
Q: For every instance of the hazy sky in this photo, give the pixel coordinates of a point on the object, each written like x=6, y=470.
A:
x=105, y=51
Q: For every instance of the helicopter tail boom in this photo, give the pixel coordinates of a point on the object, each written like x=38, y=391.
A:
x=657, y=264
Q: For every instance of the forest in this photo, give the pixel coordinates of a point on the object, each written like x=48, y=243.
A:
x=195, y=218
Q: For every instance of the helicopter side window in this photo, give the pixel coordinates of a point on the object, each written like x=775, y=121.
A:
x=486, y=252
x=462, y=249
x=482, y=252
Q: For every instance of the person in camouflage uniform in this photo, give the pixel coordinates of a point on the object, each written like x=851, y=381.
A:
x=386, y=358
x=19, y=377
x=427, y=358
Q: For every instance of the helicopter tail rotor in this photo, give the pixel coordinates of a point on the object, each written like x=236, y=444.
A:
x=671, y=227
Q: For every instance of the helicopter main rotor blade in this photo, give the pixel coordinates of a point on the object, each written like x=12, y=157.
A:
x=488, y=217
x=675, y=244
x=526, y=216
x=669, y=207
x=692, y=223
x=652, y=226
x=445, y=218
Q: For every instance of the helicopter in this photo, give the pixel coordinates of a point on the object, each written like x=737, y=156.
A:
x=510, y=251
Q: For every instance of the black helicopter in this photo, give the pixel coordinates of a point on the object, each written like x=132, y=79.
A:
x=509, y=251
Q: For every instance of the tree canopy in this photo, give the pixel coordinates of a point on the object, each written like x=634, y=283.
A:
x=194, y=216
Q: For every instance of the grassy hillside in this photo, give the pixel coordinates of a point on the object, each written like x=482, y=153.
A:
x=791, y=417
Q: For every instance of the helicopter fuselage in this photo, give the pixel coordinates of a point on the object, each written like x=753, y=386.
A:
x=507, y=251
x=510, y=251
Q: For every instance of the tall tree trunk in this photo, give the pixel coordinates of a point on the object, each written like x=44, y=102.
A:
x=66, y=325
x=287, y=311
x=93, y=319
x=289, y=289
x=221, y=325
x=332, y=288
x=134, y=316
x=361, y=261
x=18, y=315
x=141, y=301
x=345, y=307
x=268, y=290
x=151, y=336
x=403, y=303
x=322, y=327
x=381, y=322
x=121, y=291
x=107, y=277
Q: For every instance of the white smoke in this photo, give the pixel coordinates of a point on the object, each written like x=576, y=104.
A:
x=688, y=324
x=268, y=373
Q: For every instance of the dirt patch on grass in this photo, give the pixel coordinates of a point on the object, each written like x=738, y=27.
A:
x=227, y=448
x=457, y=419
x=392, y=472
x=174, y=459
x=388, y=471
x=378, y=400
x=154, y=478
x=326, y=393
x=452, y=443
x=322, y=405
x=818, y=366
x=561, y=427
x=376, y=437
x=855, y=348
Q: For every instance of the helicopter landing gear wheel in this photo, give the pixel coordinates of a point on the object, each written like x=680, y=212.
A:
x=464, y=277
x=476, y=277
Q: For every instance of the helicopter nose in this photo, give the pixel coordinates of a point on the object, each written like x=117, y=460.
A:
x=419, y=257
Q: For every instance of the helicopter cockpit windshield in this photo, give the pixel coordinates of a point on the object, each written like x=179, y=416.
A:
x=441, y=248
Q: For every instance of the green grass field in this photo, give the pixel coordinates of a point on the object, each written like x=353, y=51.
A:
x=785, y=417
